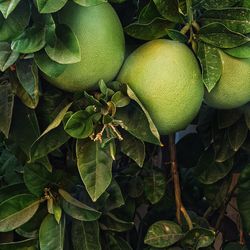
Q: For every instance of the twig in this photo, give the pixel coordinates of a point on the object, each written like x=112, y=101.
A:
x=176, y=179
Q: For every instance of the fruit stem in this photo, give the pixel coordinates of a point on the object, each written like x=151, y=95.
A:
x=177, y=189
x=189, y=11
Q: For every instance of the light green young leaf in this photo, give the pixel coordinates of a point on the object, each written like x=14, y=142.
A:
x=8, y=6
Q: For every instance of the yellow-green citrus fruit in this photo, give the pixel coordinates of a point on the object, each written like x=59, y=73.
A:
x=102, y=46
x=233, y=88
x=166, y=77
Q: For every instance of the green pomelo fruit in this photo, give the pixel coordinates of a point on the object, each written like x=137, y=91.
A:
x=233, y=88
x=102, y=46
x=166, y=77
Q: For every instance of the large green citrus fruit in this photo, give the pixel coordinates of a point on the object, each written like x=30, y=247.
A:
x=102, y=45
x=165, y=76
x=233, y=88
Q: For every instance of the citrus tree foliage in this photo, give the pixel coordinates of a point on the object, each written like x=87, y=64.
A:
x=89, y=170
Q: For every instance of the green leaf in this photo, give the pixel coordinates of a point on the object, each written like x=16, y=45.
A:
x=246, y=4
x=7, y=192
x=89, y=3
x=27, y=244
x=198, y=238
x=163, y=234
x=237, y=134
x=50, y=6
x=77, y=209
x=16, y=21
x=169, y=10
x=149, y=31
x=117, y=243
x=95, y=167
x=79, y=125
x=235, y=19
x=36, y=178
x=148, y=13
x=247, y=115
x=135, y=187
x=85, y=235
x=211, y=64
x=27, y=74
x=30, y=41
x=57, y=211
x=65, y=48
x=111, y=223
x=234, y=245
x=226, y=118
x=17, y=210
x=154, y=185
x=6, y=107
x=48, y=66
x=120, y=100
x=7, y=56
x=209, y=171
x=177, y=36
x=8, y=6
x=214, y=4
x=51, y=234
x=242, y=51
x=53, y=137
x=133, y=148
x=217, y=34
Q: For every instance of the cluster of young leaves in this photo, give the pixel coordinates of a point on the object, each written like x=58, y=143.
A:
x=209, y=26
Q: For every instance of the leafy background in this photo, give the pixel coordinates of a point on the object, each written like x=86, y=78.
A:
x=79, y=172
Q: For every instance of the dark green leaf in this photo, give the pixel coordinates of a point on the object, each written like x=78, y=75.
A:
x=120, y=100
x=17, y=210
x=6, y=107
x=242, y=51
x=243, y=203
x=169, y=10
x=95, y=167
x=135, y=187
x=217, y=34
x=46, y=65
x=148, y=13
x=7, y=56
x=88, y=3
x=85, y=235
x=211, y=64
x=149, y=31
x=77, y=209
x=177, y=35
x=154, y=185
x=16, y=21
x=247, y=115
x=163, y=234
x=117, y=243
x=235, y=19
x=133, y=148
x=27, y=244
x=50, y=6
x=226, y=118
x=36, y=178
x=214, y=4
x=79, y=125
x=51, y=234
x=65, y=49
x=30, y=41
x=234, y=246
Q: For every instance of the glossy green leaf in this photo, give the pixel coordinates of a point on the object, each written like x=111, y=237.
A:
x=85, y=235
x=46, y=65
x=95, y=167
x=17, y=210
x=65, y=48
x=79, y=125
x=149, y=31
x=36, y=178
x=117, y=243
x=211, y=64
x=154, y=185
x=237, y=134
x=50, y=6
x=7, y=56
x=217, y=34
x=198, y=238
x=209, y=171
x=8, y=6
x=89, y=3
x=226, y=118
x=27, y=74
x=169, y=10
x=111, y=223
x=30, y=41
x=120, y=100
x=163, y=234
x=53, y=137
x=27, y=244
x=77, y=209
x=133, y=148
x=16, y=21
x=177, y=35
x=6, y=107
x=242, y=51
x=148, y=13
x=51, y=234
x=235, y=19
